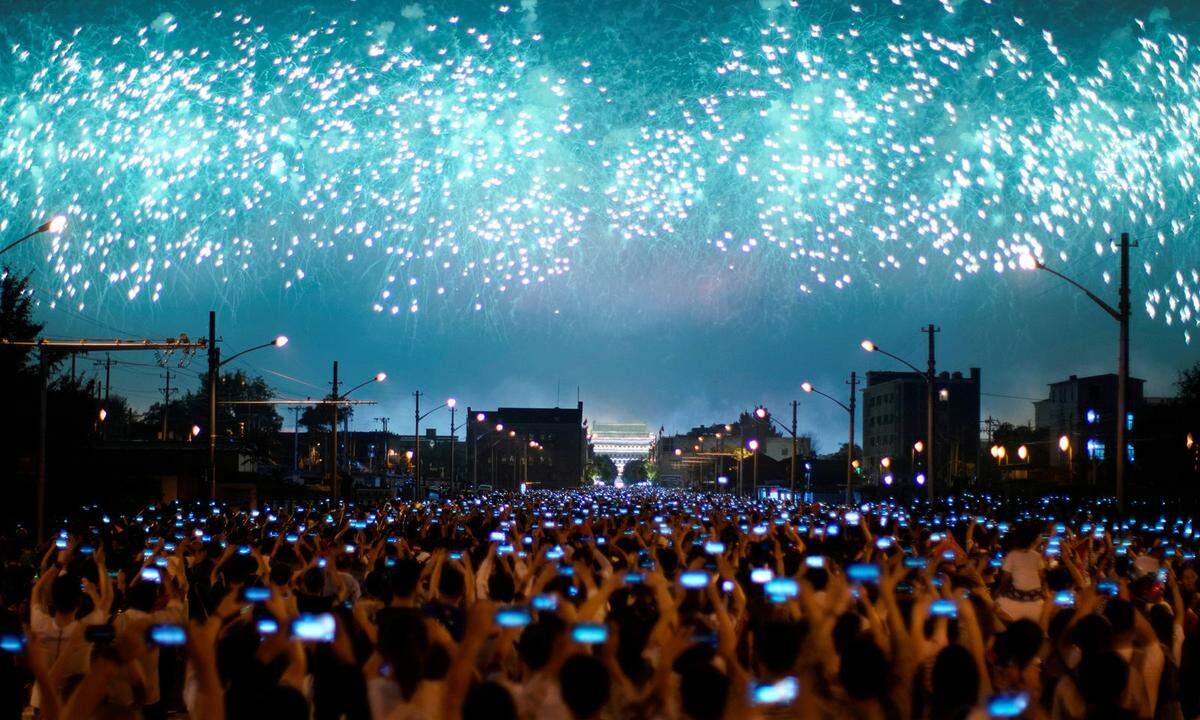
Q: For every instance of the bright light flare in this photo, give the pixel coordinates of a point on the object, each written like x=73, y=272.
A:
x=867, y=345
x=806, y=387
x=380, y=377
x=280, y=341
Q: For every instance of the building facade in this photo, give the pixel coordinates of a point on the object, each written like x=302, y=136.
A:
x=894, y=407
x=1084, y=410
x=623, y=442
x=510, y=447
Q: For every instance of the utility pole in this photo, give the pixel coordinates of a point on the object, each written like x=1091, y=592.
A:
x=84, y=346
x=214, y=367
x=795, y=448
x=387, y=465
x=166, y=404
x=417, y=444
x=931, y=404
x=453, y=437
x=334, y=449
x=107, y=376
x=295, y=440
x=850, y=443
x=1123, y=313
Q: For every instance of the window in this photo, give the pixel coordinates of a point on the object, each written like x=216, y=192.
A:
x=1095, y=449
x=1129, y=426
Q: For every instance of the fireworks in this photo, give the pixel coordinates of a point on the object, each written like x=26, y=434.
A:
x=455, y=158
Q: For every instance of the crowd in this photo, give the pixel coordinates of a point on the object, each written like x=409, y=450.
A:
x=603, y=604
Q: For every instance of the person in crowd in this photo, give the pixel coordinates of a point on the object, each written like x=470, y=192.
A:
x=581, y=605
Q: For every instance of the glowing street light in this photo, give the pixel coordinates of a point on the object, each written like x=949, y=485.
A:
x=850, y=461
x=55, y=225
x=886, y=462
x=919, y=446
x=1023, y=453
x=753, y=445
x=930, y=377
x=103, y=414
x=1122, y=314
x=1064, y=443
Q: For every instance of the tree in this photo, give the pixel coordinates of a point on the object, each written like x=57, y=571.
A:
x=319, y=418
x=636, y=470
x=16, y=323
x=1189, y=384
x=601, y=467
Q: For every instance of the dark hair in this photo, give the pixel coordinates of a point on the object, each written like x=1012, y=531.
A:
x=1120, y=613
x=864, y=669
x=704, y=692
x=404, y=577
x=777, y=645
x=66, y=592
x=501, y=587
x=1102, y=679
x=143, y=596
x=452, y=582
x=281, y=573
x=585, y=685
x=489, y=700
x=404, y=643
x=536, y=642
x=1019, y=644
x=955, y=684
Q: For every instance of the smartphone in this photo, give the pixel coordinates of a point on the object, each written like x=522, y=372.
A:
x=512, y=617
x=99, y=634
x=727, y=586
x=634, y=578
x=314, y=628
x=781, y=692
x=693, y=579
x=291, y=537
x=1007, y=705
x=781, y=588
x=761, y=576
x=545, y=602
x=496, y=536
x=166, y=635
x=1162, y=575
x=814, y=561
x=243, y=550
x=456, y=555
x=60, y=543
x=349, y=549
x=256, y=594
x=1109, y=588
x=714, y=548
x=589, y=633
x=1064, y=598
x=943, y=608
x=884, y=543
x=12, y=643
x=266, y=626
x=150, y=574
x=863, y=573
x=916, y=563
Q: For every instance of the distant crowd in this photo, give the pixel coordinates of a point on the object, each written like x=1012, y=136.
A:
x=573, y=605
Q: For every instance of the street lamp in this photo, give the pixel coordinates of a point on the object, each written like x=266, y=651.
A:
x=418, y=417
x=1122, y=315
x=378, y=377
x=54, y=225
x=762, y=412
x=1064, y=444
x=1023, y=453
x=215, y=363
x=850, y=466
x=753, y=445
x=930, y=390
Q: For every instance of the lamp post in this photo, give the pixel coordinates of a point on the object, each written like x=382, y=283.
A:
x=475, y=448
x=753, y=446
x=808, y=388
x=54, y=225
x=215, y=363
x=1064, y=444
x=1122, y=315
x=930, y=376
x=378, y=377
x=418, y=417
x=762, y=413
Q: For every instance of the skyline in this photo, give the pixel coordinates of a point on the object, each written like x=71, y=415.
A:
x=683, y=217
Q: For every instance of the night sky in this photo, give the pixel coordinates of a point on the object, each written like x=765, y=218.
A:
x=683, y=210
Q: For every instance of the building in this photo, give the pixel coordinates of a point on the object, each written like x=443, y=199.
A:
x=894, y=406
x=623, y=442
x=508, y=447
x=1084, y=410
